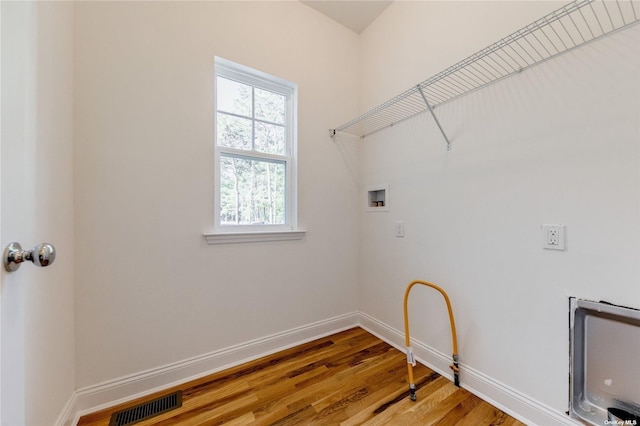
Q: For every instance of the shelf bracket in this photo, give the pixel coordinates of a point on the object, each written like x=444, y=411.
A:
x=434, y=117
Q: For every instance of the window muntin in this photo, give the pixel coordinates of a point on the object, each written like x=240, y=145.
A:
x=255, y=150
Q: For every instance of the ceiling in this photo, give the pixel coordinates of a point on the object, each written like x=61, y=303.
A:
x=353, y=14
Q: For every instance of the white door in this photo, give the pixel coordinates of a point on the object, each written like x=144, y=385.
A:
x=36, y=178
x=1, y=277
x=16, y=163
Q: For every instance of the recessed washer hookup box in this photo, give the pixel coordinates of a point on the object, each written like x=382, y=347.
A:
x=605, y=362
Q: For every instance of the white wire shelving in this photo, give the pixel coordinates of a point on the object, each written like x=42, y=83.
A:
x=564, y=29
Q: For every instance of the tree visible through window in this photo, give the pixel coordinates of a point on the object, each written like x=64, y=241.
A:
x=254, y=148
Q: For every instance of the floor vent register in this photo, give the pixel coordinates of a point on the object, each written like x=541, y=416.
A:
x=147, y=410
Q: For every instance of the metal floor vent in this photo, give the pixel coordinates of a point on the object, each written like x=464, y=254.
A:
x=147, y=410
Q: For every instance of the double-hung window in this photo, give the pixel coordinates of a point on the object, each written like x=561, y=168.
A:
x=255, y=139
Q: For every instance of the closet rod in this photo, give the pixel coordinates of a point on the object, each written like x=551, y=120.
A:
x=564, y=29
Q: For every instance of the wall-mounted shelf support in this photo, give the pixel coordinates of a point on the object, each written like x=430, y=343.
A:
x=433, y=114
x=571, y=26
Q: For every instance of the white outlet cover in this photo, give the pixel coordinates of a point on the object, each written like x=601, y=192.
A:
x=554, y=237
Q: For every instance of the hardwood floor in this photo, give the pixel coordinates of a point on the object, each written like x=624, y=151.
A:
x=350, y=378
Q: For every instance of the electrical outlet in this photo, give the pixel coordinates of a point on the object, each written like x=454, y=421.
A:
x=554, y=237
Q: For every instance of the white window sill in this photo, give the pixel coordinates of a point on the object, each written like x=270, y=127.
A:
x=253, y=237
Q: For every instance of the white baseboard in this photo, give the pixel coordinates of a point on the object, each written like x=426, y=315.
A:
x=512, y=402
x=69, y=415
x=113, y=392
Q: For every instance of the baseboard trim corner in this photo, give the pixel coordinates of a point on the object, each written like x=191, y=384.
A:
x=509, y=400
x=113, y=392
x=69, y=415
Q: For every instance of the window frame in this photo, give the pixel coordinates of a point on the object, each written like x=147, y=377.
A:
x=230, y=233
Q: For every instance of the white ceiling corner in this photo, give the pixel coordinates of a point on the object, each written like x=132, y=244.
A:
x=353, y=14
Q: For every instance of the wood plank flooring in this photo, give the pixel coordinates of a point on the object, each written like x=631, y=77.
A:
x=350, y=378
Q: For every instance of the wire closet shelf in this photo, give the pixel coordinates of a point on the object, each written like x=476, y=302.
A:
x=564, y=29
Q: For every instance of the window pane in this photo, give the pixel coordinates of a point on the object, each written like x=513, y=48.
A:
x=270, y=138
x=270, y=106
x=234, y=132
x=233, y=97
x=252, y=192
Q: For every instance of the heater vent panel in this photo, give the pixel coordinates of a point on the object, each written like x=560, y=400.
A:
x=147, y=410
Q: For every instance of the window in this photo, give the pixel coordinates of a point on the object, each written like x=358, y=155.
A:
x=255, y=139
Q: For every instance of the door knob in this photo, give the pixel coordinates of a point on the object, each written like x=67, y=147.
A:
x=41, y=255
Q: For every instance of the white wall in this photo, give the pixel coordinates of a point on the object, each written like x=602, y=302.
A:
x=149, y=290
x=38, y=372
x=555, y=144
x=414, y=40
